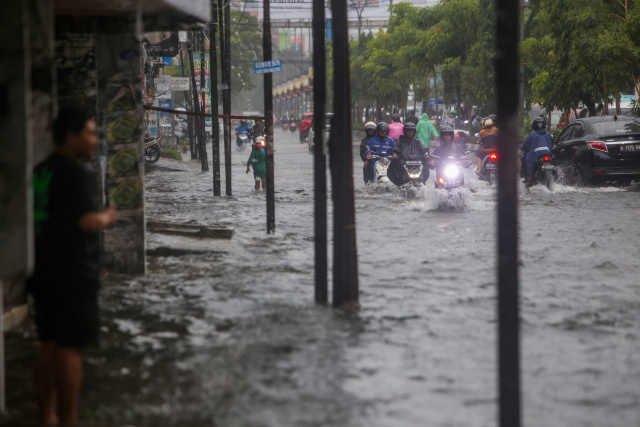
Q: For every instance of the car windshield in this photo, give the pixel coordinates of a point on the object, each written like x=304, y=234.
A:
x=617, y=127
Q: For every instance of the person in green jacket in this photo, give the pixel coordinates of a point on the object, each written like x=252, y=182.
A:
x=426, y=131
x=257, y=160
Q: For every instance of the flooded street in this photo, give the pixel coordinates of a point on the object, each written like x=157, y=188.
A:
x=225, y=332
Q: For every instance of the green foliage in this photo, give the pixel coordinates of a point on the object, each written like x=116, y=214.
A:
x=171, y=154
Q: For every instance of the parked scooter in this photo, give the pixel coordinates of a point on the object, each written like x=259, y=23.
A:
x=152, y=149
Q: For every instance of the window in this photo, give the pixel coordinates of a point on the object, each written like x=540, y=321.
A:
x=564, y=136
x=578, y=131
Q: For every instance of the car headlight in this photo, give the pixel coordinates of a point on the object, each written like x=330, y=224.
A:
x=451, y=171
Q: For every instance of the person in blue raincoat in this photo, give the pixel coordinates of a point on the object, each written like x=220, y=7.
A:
x=538, y=142
x=381, y=145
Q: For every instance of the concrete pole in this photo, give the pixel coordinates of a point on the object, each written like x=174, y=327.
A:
x=268, y=118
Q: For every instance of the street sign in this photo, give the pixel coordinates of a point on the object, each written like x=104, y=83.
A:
x=223, y=86
x=267, y=67
x=179, y=83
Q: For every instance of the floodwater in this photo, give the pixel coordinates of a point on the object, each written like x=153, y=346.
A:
x=225, y=333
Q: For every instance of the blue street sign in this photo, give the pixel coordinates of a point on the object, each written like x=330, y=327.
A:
x=267, y=66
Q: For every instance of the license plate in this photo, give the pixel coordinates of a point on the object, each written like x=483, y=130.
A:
x=490, y=166
x=630, y=147
x=546, y=166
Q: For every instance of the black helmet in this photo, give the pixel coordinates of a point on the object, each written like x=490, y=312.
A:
x=494, y=119
x=396, y=117
x=409, y=126
x=538, y=123
x=446, y=130
x=243, y=122
x=382, y=126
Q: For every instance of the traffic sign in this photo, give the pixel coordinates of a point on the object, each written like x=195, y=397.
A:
x=267, y=66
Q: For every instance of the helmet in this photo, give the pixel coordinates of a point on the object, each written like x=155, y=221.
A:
x=259, y=142
x=446, y=130
x=494, y=119
x=453, y=112
x=396, y=117
x=243, y=122
x=382, y=126
x=538, y=123
x=369, y=126
x=409, y=126
x=486, y=122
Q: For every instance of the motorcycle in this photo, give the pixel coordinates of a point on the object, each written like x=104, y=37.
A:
x=544, y=172
x=414, y=167
x=242, y=140
x=284, y=125
x=449, y=171
x=380, y=168
x=292, y=127
x=489, y=169
x=152, y=150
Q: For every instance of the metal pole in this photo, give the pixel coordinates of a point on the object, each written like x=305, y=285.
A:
x=521, y=100
x=203, y=133
x=345, y=259
x=319, y=159
x=213, y=81
x=194, y=88
x=3, y=406
x=225, y=55
x=268, y=118
x=188, y=107
x=506, y=67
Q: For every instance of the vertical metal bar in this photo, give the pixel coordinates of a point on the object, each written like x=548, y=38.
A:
x=521, y=85
x=226, y=97
x=345, y=259
x=319, y=159
x=194, y=90
x=188, y=107
x=506, y=67
x=203, y=133
x=3, y=406
x=268, y=118
x=213, y=82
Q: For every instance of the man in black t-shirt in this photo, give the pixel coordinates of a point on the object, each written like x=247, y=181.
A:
x=65, y=280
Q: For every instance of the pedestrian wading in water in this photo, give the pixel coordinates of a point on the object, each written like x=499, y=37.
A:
x=64, y=285
x=257, y=160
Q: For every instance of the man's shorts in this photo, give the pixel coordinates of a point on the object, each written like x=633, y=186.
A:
x=68, y=316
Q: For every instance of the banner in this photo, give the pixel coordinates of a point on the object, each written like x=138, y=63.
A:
x=180, y=83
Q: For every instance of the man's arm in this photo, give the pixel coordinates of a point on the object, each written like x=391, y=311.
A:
x=94, y=222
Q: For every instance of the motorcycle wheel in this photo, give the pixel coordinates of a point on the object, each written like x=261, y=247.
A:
x=240, y=147
x=492, y=177
x=152, y=155
x=548, y=179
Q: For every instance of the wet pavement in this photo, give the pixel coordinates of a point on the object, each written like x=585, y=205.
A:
x=225, y=332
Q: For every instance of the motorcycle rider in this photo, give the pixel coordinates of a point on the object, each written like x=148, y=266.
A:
x=409, y=146
x=426, y=131
x=380, y=145
x=538, y=142
x=244, y=127
x=488, y=140
x=370, y=131
x=256, y=130
x=447, y=147
x=395, y=128
x=452, y=120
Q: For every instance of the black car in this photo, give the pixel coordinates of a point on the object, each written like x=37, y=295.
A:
x=596, y=150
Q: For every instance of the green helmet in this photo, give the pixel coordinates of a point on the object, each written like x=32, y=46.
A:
x=453, y=111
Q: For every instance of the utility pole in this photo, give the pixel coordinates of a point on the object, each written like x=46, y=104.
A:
x=192, y=147
x=345, y=259
x=319, y=157
x=268, y=118
x=506, y=67
x=213, y=81
x=521, y=100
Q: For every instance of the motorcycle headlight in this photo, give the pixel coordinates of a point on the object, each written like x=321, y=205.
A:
x=451, y=171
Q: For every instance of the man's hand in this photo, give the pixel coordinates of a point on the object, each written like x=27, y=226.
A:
x=395, y=156
x=94, y=222
x=247, y=170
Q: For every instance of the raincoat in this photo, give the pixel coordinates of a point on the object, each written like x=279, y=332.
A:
x=258, y=162
x=407, y=149
x=425, y=130
x=537, y=143
x=381, y=146
x=395, y=130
